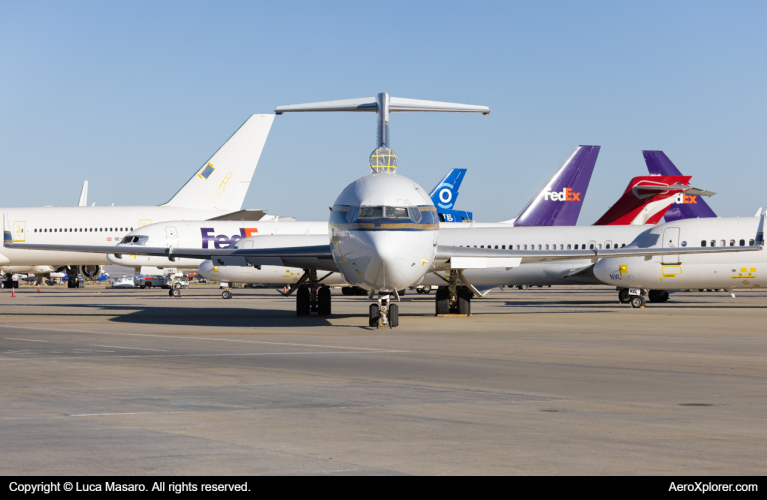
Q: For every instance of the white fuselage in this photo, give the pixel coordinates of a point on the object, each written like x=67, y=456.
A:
x=721, y=270
x=82, y=226
x=208, y=234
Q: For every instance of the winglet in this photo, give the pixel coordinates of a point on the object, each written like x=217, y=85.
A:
x=7, y=238
x=760, y=230
x=758, y=212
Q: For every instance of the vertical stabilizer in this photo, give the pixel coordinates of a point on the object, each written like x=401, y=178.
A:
x=646, y=200
x=683, y=207
x=84, y=195
x=223, y=181
x=559, y=201
x=445, y=194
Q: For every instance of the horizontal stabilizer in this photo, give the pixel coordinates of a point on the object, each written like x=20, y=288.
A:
x=370, y=105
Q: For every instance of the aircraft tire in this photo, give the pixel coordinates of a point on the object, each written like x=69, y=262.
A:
x=623, y=296
x=442, y=300
x=658, y=295
x=393, y=316
x=175, y=292
x=464, y=300
x=427, y=290
x=303, y=304
x=637, y=302
x=374, y=315
x=402, y=292
x=324, y=300
x=226, y=294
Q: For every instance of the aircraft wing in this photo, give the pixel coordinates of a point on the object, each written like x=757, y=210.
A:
x=451, y=257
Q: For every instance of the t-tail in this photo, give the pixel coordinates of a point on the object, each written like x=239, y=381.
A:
x=445, y=194
x=559, y=201
x=685, y=206
x=223, y=181
x=647, y=199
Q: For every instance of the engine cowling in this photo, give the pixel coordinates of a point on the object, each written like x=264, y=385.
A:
x=90, y=273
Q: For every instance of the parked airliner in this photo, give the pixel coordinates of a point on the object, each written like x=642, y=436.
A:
x=384, y=234
x=215, y=191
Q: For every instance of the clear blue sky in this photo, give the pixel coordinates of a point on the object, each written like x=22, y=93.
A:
x=135, y=96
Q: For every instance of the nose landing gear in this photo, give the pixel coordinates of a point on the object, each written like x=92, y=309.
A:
x=384, y=313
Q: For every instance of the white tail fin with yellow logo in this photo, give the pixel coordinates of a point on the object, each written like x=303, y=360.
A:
x=223, y=181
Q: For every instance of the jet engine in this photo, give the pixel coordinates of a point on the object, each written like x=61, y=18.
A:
x=90, y=273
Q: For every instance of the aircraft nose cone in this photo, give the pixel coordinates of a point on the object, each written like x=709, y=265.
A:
x=398, y=258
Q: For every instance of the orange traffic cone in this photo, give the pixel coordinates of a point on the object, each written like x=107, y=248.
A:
x=13, y=291
x=38, y=288
x=285, y=289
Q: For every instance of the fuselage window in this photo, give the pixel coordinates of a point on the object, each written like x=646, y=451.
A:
x=751, y=243
x=713, y=243
x=496, y=247
x=569, y=246
x=742, y=243
x=600, y=246
x=591, y=246
x=525, y=247
x=702, y=243
x=46, y=230
x=35, y=230
x=623, y=245
x=583, y=247
x=131, y=229
x=503, y=247
x=517, y=247
x=722, y=243
x=732, y=243
x=607, y=246
x=561, y=246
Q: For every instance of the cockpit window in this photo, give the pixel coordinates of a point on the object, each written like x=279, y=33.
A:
x=397, y=212
x=371, y=212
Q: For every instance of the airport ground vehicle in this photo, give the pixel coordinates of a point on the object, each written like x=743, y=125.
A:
x=122, y=282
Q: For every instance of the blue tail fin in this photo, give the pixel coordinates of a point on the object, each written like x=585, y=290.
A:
x=559, y=202
x=445, y=194
x=684, y=207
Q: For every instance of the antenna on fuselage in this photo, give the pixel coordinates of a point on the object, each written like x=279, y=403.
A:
x=383, y=159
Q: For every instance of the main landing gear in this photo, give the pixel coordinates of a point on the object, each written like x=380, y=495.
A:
x=654, y=296
x=311, y=298
x=383, y=313
x=72, y=277
x=454, y=299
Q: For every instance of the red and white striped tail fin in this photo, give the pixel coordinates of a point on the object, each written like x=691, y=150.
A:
x=646, y=200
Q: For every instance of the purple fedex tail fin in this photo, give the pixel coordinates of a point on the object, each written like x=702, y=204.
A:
x=684, y=207
x=559, y=201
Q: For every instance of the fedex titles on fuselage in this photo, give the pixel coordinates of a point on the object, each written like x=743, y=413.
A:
x=567, y=194
x=221, y=240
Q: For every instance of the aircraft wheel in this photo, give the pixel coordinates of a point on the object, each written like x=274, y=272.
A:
x=374, y=315
x=176, y=285
x=393, y=316
x=402, y=292
x=303, y=305
x=226, y=294
x=442, y=300
x=427, y=290
x=658, y=295
x=324, y=301
x=464, y=301
x=623, y=296
x=345, y=290
x=521, y=287
x=637, y=302
x=176, y=292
